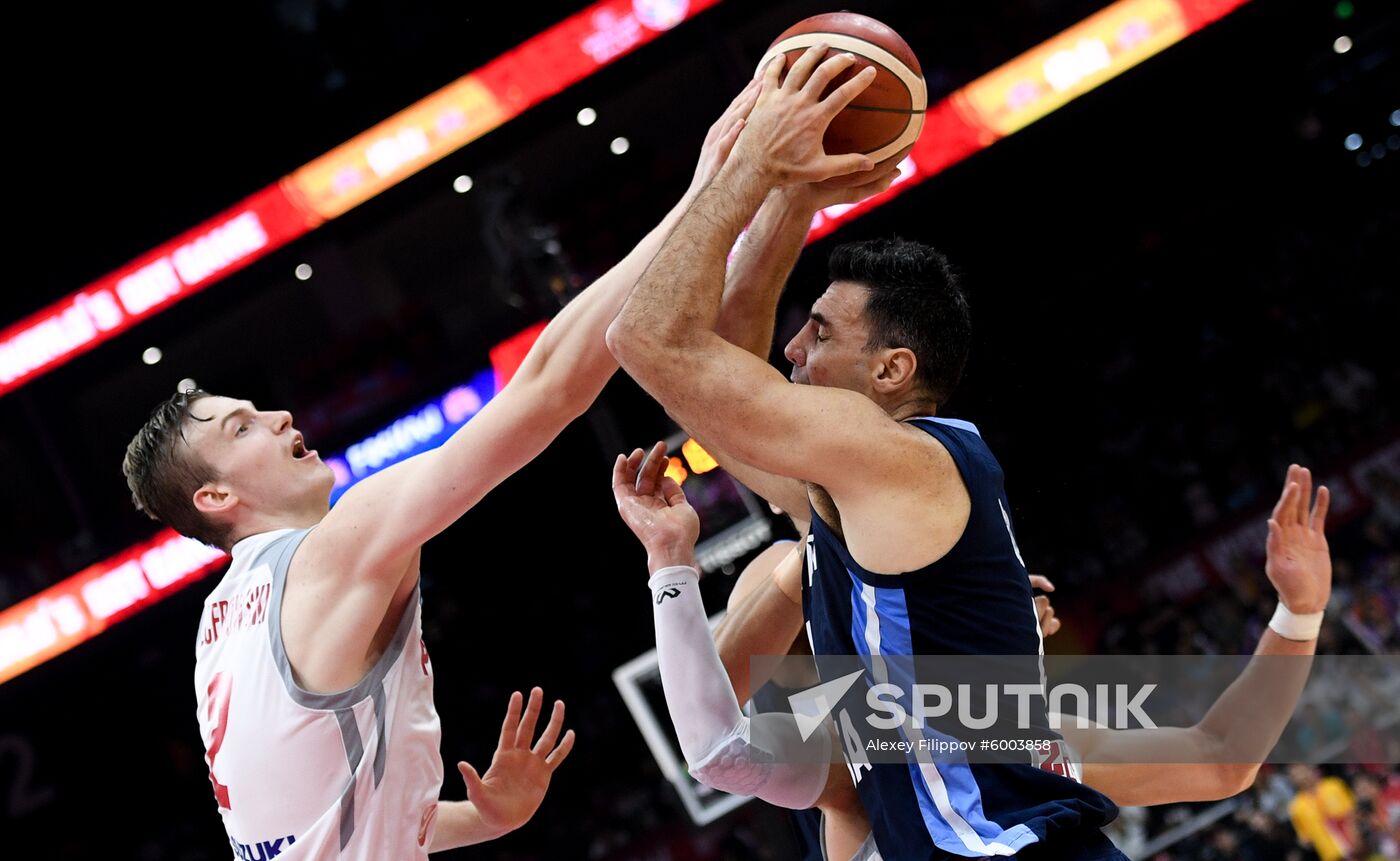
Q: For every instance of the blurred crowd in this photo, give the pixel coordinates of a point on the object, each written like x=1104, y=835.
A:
x=1299, y=813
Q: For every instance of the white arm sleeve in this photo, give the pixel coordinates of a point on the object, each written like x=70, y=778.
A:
x=781, y=768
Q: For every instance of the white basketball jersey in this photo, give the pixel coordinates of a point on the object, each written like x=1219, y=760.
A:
x=297, y=775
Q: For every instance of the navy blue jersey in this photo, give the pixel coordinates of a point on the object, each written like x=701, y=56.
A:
x=976, y=600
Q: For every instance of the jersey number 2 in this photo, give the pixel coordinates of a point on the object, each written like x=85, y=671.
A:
x=219, y=689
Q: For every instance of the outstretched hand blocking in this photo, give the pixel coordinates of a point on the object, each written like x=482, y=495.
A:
x=783, y=137
x=514, y=786
x=1296, y=556
x=654, y=507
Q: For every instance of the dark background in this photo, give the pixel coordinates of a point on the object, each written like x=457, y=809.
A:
x=1181, y=282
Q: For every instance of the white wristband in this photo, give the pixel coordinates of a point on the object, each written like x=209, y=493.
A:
x=674, y=575
x=1292, y=626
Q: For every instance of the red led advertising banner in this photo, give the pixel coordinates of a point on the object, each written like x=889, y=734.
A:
x=341, y=179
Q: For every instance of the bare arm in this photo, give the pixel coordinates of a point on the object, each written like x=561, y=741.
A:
x=764, y=617
x=1220, y=755
x=570, y=358
x=752, y=287
x=681, y=290
x=560, y=377
x=754, y=283
x=357, y=563
x=773, y=242
x=760, y=269
x=730, y=398
x=459, y=824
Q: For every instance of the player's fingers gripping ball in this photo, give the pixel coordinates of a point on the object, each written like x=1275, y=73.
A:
x=888, y=116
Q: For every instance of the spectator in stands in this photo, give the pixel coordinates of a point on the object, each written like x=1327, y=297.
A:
x=1323, y=813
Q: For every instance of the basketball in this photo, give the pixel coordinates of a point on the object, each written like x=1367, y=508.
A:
x=888, y=116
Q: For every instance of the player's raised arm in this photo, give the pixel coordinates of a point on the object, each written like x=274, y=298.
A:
x=559, y=378
x=714, y=734
x=771, y=245
x=1220, y=755
x=358, y=557
x=754, y=282
x=726, y=396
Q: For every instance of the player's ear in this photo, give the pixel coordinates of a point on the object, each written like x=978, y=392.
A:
x=895, y=369
x=214, y=498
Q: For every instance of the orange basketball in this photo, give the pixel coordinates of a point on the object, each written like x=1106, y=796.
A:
x=888, y=116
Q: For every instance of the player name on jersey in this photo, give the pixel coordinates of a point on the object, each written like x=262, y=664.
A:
x=242, y=611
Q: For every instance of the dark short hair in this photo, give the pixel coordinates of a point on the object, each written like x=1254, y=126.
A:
x=914, y=300
x=163, y=473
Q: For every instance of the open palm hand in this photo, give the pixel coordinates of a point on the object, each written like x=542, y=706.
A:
x=1297, y=559
x=514, y=786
